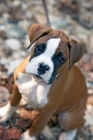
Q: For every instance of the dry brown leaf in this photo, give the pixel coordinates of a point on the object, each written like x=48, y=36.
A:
x=14, y=133
x=24, y=123
x=31, y=114
x=3, y=134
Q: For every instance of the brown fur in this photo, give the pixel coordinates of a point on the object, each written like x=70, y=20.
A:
x=68, y=93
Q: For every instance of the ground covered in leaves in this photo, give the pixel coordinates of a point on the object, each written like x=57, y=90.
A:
x=73, y=17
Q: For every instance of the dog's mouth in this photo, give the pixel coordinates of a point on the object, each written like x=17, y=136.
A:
x=37, y=77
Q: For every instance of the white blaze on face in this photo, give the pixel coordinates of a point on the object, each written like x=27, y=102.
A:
x=51, y=47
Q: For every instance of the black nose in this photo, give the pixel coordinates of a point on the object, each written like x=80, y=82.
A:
x=42, y=68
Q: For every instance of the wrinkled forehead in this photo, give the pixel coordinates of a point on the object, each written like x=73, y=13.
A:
x=56, y=40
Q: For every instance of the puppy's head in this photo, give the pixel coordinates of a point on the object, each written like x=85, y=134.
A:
x=50, y=53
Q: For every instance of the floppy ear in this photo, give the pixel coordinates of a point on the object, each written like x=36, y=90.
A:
x=37, y=31
x=76, y=51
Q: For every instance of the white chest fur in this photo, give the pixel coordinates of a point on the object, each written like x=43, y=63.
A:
x=33, y=91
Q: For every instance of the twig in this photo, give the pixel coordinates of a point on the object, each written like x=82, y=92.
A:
x=46, y=12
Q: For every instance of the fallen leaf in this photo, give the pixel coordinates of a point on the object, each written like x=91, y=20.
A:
x=3, y=134
x=24, y=123
x=14, y=133
x=31, y=114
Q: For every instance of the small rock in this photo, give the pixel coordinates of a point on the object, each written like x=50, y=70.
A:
x=88, y=118
x=13, y=44
x=90, y=99
x=3, y=7
x=40, y=18
x=25, y=24
x=3, y=75
x=56, y=130
x=5, y=61
x=15, y=31
x=81, y=30
x=86, y=19
x=1, y=53
x=17, y=13
x=4, y=95
x=3, y=34
x=90, y=74
x=89, y=82
x=58, y=22
x=24, y=6
x=16, y=3
x=82, y=36
x=13, y=65
x=6, y=17
x=23, y=54
x=91, y=129
x=7, y=51
x=16, y=55
x=91, y=41
x=89, y=107
x=90, y=91
x=2, y=27
x=87, y=5
x=29, y=14
x=2, y=69
x=85, y=64
x=26, y=41
x=92, y=62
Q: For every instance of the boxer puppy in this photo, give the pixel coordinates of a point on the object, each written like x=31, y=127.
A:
x=48, y=81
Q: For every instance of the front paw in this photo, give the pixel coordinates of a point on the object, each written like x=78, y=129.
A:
x=47, y=133
x=6, y=112
x=4, y=115
x=68, y=135
x=26, y=136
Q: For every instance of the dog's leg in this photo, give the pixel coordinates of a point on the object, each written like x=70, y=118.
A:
x=68, y=135
x=46, y=132
x=7, y=111
x=39, y=124
x=68, y=120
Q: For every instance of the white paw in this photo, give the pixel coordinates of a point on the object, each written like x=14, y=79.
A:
x=26, y=136
x=47, y=133
x=68, y=135
x=4, y=115
x=6, y=112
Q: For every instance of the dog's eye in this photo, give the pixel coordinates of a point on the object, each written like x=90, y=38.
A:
x=60, y=58
x=39, y=48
